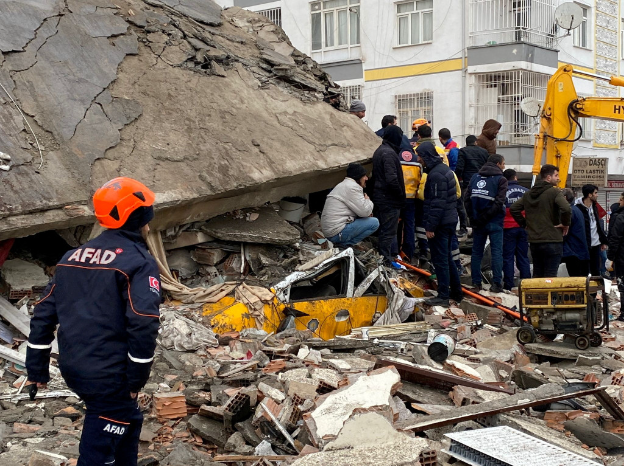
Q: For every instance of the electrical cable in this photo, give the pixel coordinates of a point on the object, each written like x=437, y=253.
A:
x=28, y=124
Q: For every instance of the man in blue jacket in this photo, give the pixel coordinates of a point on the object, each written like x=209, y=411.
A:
x=104, y=298
x=485, y=205
x=440, y=219
x=575, y=250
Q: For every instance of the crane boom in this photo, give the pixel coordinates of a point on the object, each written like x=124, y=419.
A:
x=560, y=114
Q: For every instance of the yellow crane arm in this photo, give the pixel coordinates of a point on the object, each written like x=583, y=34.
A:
x=559, y=117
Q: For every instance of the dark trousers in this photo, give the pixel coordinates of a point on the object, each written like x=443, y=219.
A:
x=388, y=224
x=576, y=267
x=515, y=246
x=461, y=210
x=480, y=235
x=111, y=430
x=546, y=259
x=421, y=235
x=442, y=259
x=594, y=260
x=407, y=228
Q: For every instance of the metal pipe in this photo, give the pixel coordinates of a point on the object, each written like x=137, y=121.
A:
x=613, y=80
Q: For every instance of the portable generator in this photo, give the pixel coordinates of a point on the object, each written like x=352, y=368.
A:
x=569, y=306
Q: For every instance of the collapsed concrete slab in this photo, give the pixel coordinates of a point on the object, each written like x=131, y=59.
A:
x=212, y=110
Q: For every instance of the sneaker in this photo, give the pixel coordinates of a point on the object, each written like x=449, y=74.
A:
x=437, y=302
x=496, y=288
x=462, y=232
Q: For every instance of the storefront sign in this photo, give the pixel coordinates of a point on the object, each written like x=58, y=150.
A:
x=589, y=170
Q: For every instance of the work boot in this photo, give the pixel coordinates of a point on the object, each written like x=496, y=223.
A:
x=457, y=297
x=496, y=288
x=437, y=302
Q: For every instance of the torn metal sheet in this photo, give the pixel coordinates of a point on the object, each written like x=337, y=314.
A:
x=505, y=446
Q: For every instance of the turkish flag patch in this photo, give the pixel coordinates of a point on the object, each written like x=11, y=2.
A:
x=154, y=283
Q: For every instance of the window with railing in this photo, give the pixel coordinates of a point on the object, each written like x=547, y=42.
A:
x=503, y=21
x=274, y=15
x=351, y=93
x=414, y=22
x=410, y=107
x=335, y=24
x=498, y=95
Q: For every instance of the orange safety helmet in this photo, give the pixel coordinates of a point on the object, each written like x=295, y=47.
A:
x=117, y=199
x=419, y=122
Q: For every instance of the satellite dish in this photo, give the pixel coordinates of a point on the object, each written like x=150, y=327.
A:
x=569, y=16
x=531, y=106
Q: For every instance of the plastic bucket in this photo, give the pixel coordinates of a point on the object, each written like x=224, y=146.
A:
x=441, y=348
x=291, y=208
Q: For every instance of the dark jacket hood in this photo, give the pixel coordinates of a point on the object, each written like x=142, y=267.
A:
x=490, y=127
x=430, y=156
x=539, y=188
x=393, y=135
x=490, y=169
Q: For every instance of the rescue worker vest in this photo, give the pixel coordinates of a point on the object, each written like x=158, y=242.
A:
x=483, y=191
x=412, y=173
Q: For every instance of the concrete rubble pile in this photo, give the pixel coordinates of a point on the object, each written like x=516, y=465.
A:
x=376, y=396
x=213, y=110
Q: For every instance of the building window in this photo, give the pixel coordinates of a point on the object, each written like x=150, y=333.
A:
x=415, y=22
x=498, y=95
x=580, y=36
x=351, y=93
x=410, y=107
x=274, y=15
x=335, y=24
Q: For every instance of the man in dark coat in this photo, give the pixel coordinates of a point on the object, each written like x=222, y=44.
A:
x=596, y=237
x=440, y=219
x=547, y=221
x=575, y=250
x=469, y=161
x=487, y=138
x=389, y=190
x=485, y=206
x=615, y=253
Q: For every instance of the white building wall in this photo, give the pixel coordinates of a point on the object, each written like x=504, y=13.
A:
x=451, y=102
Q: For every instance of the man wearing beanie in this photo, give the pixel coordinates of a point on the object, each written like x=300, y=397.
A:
x=358, y=109
x=346, y=219
x=104, y=298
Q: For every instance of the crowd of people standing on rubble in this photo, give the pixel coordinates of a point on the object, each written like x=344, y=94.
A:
x=424, y=193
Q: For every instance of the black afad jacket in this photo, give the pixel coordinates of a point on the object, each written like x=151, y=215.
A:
x=104, y=297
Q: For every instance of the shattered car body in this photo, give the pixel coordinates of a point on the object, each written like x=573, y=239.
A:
x=331, y=299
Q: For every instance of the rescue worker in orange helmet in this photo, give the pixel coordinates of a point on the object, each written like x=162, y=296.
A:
x=104, y=298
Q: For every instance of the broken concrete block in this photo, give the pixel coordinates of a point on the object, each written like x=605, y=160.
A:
x=305, y=390
x=590, y=433
x=208, y=429
x=365, y=429
x=23, y=278
x=188, y=238
x=584, y=360
x=44, y=458
x=351, y=364
x=526, y=378
x=236, y=443
x=208, y=256
x=269, y=228
x=480, y=310
x=370, y=390
x=264, y=449
x=271, y=392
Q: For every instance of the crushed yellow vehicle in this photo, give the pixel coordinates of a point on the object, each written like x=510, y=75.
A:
x=331, y=299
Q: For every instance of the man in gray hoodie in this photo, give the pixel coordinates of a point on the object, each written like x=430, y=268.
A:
x=346, y=219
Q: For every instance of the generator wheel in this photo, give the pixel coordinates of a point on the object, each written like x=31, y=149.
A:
x=595, y=339
x=581, y=342
x=526, y=335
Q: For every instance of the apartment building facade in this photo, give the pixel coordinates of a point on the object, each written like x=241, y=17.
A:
x=461, y=62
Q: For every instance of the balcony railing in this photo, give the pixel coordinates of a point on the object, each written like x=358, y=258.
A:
x=504, y=21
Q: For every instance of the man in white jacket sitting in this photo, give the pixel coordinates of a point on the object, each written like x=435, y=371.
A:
x=347, y=216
